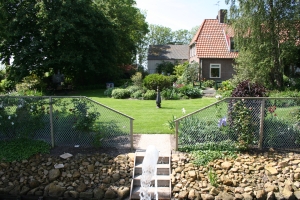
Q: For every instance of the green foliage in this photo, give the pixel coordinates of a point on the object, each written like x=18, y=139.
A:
x=137, y=94
x=137, y=79
x=24, y=120
x=180, y=68
x=190, y=91
x=84, y=119
x=29, y=83
x=165, y=68
x=226, y=88
x=249, y=89
x=173, y=78
x=133, y=88
x=108, y=92
x=243, y=124
x=120, y=93
x=209, y=83
x=268, y=22
x=212, y=177
x=7, y=85
x=152, y=81
x=150, y=95
x=190, y=74
x=169, y=94
x=203, y=157
x=20, y=149
x=225, y=145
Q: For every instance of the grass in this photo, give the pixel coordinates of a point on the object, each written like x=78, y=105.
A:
x=148, y=118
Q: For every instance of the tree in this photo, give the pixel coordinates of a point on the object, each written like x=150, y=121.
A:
x=129, y=24
x=84, y=40
x=265, y=34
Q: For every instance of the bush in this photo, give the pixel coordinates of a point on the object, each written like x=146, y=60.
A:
x=137, y=79
x=152, y=81
x=137, y=94
x=209, y=83
x=108, y=92
x=150, y=95
x=248, y=89
x=190, y=91
x=132, y=89
x=120, y=93
x=173, y=78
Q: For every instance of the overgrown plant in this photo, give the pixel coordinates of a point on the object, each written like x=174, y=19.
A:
x=213, y=177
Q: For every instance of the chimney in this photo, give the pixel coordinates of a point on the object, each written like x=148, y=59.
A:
x=222, y=15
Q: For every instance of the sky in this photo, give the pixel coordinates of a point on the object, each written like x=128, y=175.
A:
x=180, y=14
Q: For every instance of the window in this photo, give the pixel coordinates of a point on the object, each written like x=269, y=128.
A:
x=215, y=71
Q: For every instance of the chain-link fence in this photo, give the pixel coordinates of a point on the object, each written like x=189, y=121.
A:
x=260, y=122
x=64, y=121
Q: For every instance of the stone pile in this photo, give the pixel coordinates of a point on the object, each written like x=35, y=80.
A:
x=263, y=176
x=96, y=176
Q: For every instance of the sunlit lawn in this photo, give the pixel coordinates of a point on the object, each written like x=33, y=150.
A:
x=148, y=118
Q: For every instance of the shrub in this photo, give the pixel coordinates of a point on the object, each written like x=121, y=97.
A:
x=137, y=94
x=137, y=79
x=150, y=95
x=133, y=88
x=209, y=83
x=120, y=93
x=190, y=91
x=248, y=89
x=108, y=92
x=152, y=81
x=173, y=78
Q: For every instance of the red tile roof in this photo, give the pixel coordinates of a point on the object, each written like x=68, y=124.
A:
x=211, y=39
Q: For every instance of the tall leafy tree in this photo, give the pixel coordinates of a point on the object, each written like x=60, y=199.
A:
x=266, y=34
x=129, y=24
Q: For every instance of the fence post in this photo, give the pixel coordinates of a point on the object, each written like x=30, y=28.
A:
x=176, y=135
x=261, y=129
x=131, y=134
x=51, y=121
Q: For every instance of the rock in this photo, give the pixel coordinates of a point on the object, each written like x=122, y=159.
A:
x=225, y=195
x=238, y=196
x=261, y=195
x=270, y=196
x=226, y=165
x=192, y=174
x=207, y=197
x=183, y=195
x=55, y=190
x=53, y=174
x=192, y=194
x=247, y=196
x=90, y=168
x=76, y=174
x=24, y=190
x=123, y=192
x=116, y=177
x=271, y=170
x=15, y=191
x=99, y=193
x=74, y=194
x=110, y=194
x=287, y=192
x=34, y=184
x=86, y=195
x=81, y=187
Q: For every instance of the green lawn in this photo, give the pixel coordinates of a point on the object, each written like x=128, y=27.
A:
x=148, y=118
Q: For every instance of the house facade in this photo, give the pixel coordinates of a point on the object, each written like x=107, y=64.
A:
x=213, y=48
x=166, y=53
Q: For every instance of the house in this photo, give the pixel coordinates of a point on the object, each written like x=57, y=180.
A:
x=213, y=48
x=166, y=53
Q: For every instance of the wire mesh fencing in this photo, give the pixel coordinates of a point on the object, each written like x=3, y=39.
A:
x=64, y=121
x=260, y=122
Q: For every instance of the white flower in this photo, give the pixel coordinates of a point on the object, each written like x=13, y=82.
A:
x=218, y=97
x=183, y=110
x=31, y=110
x=20, y=106
x=12, y=123
x=9, y=117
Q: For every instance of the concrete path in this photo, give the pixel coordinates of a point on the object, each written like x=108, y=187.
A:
x=165, y=143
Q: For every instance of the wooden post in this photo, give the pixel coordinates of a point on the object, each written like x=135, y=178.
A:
x=261, y=129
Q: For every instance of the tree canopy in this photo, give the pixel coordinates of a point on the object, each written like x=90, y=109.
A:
x=84, y=39
x=266, y=34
